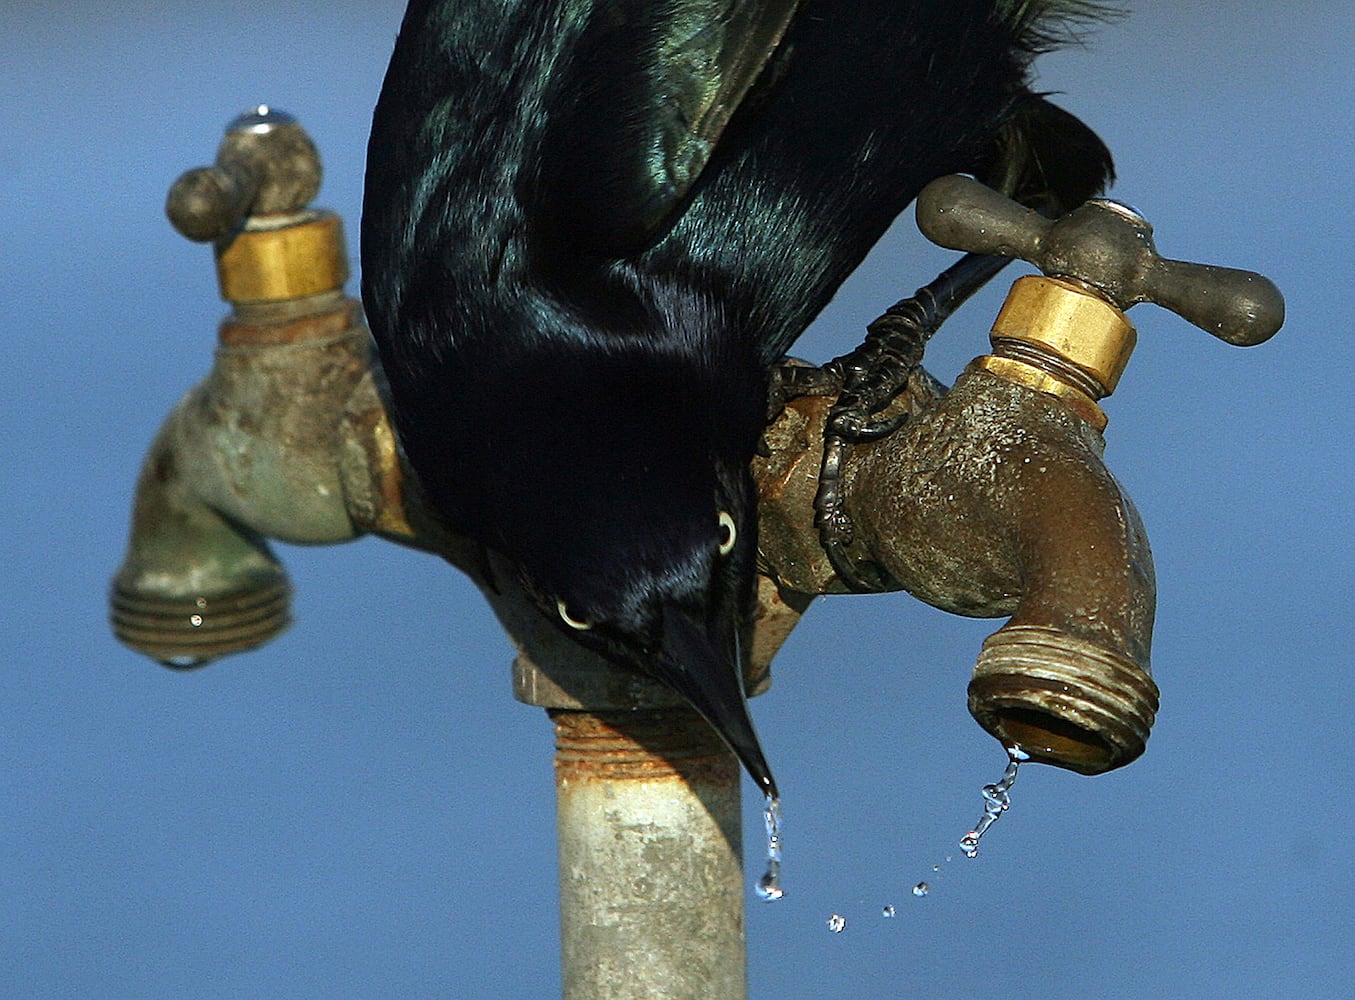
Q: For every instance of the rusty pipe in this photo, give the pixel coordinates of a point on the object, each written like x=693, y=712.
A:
x=649, y=810
x=651, y=863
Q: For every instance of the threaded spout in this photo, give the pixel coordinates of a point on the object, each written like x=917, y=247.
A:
x=1061, y=699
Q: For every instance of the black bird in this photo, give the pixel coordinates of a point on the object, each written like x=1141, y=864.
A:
x=590, y=229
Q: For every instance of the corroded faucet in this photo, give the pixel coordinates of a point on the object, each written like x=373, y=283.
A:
x=256, y=450
x=992, y=500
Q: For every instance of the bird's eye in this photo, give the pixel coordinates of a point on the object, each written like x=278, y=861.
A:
x=575, y=623
x=728, y=533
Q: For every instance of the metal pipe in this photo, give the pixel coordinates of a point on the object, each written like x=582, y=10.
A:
x=652, y=886
x=651, y=865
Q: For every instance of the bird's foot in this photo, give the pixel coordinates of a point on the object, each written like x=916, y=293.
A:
x=793, y=378
x=872, y=404
x=872, y=378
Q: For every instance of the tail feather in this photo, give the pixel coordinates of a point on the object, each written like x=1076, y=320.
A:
x=1042, y=25
x=1047, y=159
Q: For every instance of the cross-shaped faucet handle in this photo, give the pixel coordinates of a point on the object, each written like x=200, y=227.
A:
x=1107, y=246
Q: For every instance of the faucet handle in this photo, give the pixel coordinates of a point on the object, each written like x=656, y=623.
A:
x=266, y=165
x=1107, y=246
x=252, y=205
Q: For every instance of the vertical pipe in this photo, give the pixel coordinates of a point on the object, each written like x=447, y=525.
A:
x=651, y=873
x=649, y=813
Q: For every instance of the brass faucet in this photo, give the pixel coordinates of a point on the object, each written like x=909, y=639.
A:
x=992, y=499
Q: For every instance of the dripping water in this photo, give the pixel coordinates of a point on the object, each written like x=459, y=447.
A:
x=769, y=885
x=996, y=801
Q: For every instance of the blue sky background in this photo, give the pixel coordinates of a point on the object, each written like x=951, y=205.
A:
x=361, y=810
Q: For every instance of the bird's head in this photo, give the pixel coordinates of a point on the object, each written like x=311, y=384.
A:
x=625, y=500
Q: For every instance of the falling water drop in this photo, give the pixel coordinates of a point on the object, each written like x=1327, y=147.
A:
x=769, y=885
x=837, y=923
x=185, y=661
x=921, y=889
x=996, y=801
x=969, y=843
x=888, y=910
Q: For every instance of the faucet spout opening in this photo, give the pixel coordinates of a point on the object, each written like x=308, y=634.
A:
x=1062, y=699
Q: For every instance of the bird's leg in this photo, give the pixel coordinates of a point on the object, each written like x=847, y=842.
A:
x=871, y=377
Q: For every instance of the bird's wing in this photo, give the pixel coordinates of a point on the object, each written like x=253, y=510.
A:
x=638, y=106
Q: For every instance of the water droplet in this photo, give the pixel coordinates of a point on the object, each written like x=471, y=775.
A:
x=195, y=621
x=769, y=885
x=937, y=868
x=837, y=923
x=201, y=602
x=996, y=801
x=921, y=889
x=184, y=662
x=888, y=911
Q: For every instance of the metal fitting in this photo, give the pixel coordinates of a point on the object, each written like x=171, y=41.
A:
x=1063, y=318
x=1056, y=336
x=267, y=262
x=1062, y=699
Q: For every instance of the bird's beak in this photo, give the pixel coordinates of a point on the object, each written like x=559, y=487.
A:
x=693, y=664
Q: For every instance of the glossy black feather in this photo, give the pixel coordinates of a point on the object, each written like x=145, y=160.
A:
x=590, y=227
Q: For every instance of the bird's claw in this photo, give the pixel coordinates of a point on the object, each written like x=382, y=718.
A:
x=872, y=377
x=792, y=379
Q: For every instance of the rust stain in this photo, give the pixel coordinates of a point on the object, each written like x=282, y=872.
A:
x=638, y=746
